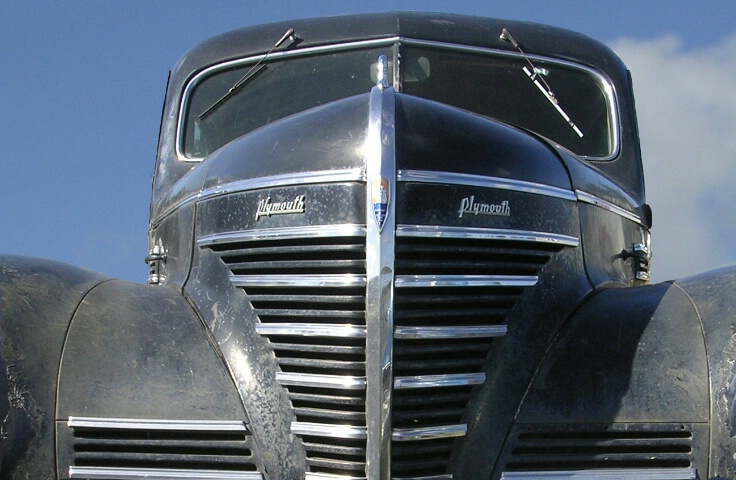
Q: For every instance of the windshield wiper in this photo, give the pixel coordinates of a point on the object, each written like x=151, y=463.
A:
x=537, y=75
x=250, y=74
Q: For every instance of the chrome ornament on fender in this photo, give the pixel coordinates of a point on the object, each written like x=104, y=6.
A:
x=266, y=207
x=468, y=205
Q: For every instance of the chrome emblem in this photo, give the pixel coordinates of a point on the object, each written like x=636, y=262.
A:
x=468, y=205
x=266, y=207
x=379, y=199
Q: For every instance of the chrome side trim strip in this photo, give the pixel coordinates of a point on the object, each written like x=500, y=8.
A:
x=450, y=178
x=404, y=281
x=286, y=233
x=431, y=231
x=285, y=180
x=439, y=381
x=380, y=161
x=340, y=382
x=114, y=473
x=327, y=280
x=429, y=433
x=311, y=330
x=606, y=205
x=471, y=331
x=146, y=424
x=607, y=474
x=328, y=430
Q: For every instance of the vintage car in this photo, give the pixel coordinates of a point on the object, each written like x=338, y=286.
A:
x=389, y=246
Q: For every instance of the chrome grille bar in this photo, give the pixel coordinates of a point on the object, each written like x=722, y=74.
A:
x=435, y=381
x=483, y=331
x=326, y=280
x=113, y=473
x=404, y=281
x=606, y=474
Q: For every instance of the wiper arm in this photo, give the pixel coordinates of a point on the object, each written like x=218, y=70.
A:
x=536, y=75
x=250, y=75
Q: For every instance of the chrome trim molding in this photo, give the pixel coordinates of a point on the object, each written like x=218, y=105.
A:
x=285, y=233
x=404, y=281
x=311, y=330
x=337, y=382
x=428, y=433
x=166, y=425
x=114, y=473
x=430, y=231
x=328, y=430
x=285, y=180
x=327, y=476
x=450, y=178
x=326, y=280
x=606, y=205
x=434, y=381
x=471, y=331
x=607, y=474
x=380, y=161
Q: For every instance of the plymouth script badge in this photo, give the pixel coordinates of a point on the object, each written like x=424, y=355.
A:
x=469, y=206
x=266, y=207
x=379, y=199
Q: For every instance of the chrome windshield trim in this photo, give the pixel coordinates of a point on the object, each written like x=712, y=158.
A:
x=432, y=231
x=326, y=280
x=122, y=473
x=450, y=178
x=591, y=199
x=285, y=233
x=439, y=381
x=471, y=331
x=380, y=161
x=311, y=330
x=607, y=87
x=429, y=433
x=341, y=382
x=328, y=430
x=607, y=474
x=404, y=281
x=153, y=424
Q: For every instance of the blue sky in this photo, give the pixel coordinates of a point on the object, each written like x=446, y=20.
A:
x=82, y=85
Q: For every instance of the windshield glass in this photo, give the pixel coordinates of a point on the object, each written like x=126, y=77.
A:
x=487, y=83
x=498, y=87
x=284, y=87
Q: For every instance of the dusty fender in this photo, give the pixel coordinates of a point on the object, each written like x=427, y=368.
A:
x=102, y=375
x=37, y=299
x=634, y=368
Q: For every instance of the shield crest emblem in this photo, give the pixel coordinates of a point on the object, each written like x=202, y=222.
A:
x=379, y=198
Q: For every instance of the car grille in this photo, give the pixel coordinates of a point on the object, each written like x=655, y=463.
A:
x=453, y=290
x=642, y=450
x=106, y=448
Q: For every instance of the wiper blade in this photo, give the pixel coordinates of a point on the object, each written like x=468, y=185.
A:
x=536, y=75
x=250, y=74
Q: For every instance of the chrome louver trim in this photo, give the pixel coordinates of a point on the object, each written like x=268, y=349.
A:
x=470, y=233
x=607, y=474
x=326, y=280
x=310, y=231
x=406, y=281
x=112, y=473
x=451, y=178
x=429, y=433
x=164, y=425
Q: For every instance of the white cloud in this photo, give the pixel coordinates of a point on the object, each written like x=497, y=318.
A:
x=686, y=104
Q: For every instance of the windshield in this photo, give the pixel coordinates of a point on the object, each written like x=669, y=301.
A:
x=498, y=87
x=281, y=89
x=487, y=83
